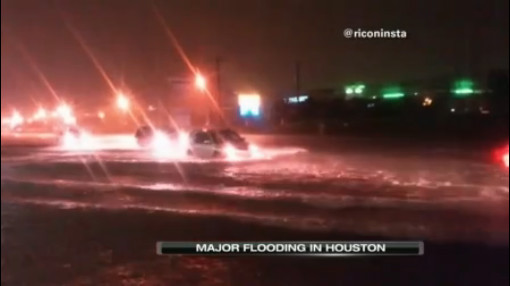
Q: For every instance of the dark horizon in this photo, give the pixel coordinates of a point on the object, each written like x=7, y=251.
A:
x=259, y=41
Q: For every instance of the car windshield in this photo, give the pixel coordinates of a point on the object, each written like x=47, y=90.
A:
x=202, y=138
x=216, y=137
x=231, y=135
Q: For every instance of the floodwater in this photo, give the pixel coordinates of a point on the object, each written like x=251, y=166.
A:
x=88, y=194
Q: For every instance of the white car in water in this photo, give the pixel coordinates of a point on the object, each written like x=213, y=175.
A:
x=147, y=136
x=221, y=143
x=74, y=138
x=165, y=143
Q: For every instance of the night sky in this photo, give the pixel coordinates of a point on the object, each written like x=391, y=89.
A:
x=260, y=41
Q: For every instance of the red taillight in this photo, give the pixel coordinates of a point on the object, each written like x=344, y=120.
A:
x=502, y=156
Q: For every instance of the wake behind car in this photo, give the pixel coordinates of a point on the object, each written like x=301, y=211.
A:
x=74, y=138
x=235, y=139
x=147, y=136
x=222, y=143
x=162, y=142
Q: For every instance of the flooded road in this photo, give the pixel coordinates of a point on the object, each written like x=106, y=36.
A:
x=301, y=187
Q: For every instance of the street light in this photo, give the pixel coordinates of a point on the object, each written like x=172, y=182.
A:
x=123, y=102
x=16, y=119
x=41, y=114
x=65, y=113
x=200, y=82
x=64, y=110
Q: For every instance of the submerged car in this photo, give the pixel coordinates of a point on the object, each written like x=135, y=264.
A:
x=163, y=143
x=222, y=143
x=72, y=137
x=147, y=136
x=144, y=136
x=234, y=138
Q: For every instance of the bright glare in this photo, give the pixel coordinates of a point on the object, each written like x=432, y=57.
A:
x=101, y=115
x=86, y=141
x=255, y=151
x=82, y=142
x=464, y=87
x=200, y=82
x=249, y=104
x=230, y=152
x=396, y=95
x=463, y=91
x=70, y=120
x=355, y=89
x=162, y=145
x=505, y=158
x=70, y=141
x=184, y=140
x=64, y=111
x=16, y=119
x=123, y=102
x=41, y=114
x=428, y=102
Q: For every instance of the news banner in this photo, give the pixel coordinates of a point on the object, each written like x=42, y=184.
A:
x=321, y=249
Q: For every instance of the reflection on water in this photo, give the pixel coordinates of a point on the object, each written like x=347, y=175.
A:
x=356, y=192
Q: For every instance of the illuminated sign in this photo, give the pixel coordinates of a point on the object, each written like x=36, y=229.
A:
x=356, y=89
x=394, y=92
x=298, y=99
x=464, y=87
x=250, y=105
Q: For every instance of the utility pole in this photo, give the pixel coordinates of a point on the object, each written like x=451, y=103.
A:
x=298, y=78
x=219, y=95
x=219, y=62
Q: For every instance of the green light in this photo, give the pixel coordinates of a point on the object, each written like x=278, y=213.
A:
x=464, y=87
x=393, y=92
x=357, y=89
x=464, y=91
x=394, y=95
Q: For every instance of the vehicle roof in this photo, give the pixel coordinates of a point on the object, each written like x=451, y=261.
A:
x=213, y=130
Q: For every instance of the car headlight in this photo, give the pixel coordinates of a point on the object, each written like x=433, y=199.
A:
x=230, y=152
x=184, y=140
x=255, y=151
x=160, y=140
x=78, y=141
x=70, y=141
